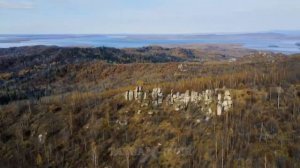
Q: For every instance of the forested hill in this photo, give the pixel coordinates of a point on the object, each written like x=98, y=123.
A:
x=12, y=57
x=65, y=107
x=20, y=57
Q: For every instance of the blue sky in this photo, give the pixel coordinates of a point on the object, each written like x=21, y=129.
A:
x=147, y=16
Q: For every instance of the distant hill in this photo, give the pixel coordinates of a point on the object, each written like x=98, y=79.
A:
x=18, y=57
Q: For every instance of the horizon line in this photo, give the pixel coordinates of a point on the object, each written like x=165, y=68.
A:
x=206, y=33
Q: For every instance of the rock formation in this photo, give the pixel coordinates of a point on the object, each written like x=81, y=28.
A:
x=207, y=97
x=227, y=103
x=130, y=95
x=157, y=96
x=182, y=100
x=42, y=138
x=182, y=67
x=187, y=97
x=126, y=95
x=219, y=105
x=123, y=122
x=138, y=93
x=195, y=97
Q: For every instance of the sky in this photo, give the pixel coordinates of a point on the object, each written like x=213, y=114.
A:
x=147, y=16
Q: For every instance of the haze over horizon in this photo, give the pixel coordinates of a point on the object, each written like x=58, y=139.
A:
x=151, y=17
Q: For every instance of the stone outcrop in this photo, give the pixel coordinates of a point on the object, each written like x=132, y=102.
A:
x=126, y=95
x=204, y=100
x=187, y=97
x=227, y=103
x=184, y=98
x=219, y=105
x=136, y=94
x=131, y=94
x=157, y=96
x=42, y=138
x=182, y=67
x=123, y=122
x=195, y=96
x=224, y=105
x=207, y=97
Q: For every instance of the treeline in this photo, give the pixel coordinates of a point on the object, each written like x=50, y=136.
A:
x=20, y=57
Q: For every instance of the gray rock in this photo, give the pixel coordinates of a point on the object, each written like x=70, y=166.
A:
x=130, y=95
x=157, y=96
x=194, y=96
x=126, y=95
x=187, y=97
x=208, y=97
x=219, y=97
x=138, y=93
x=227, y=103
x=219, y=109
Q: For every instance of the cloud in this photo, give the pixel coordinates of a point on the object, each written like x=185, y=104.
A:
x=4, y=4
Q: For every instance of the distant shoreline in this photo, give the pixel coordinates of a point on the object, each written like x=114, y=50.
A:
x=255, y=41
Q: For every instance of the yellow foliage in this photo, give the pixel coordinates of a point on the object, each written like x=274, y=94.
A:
x=140, y=83
x=39, y=160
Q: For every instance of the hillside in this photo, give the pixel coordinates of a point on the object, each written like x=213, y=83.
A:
x=65, y=107
x=11, y=58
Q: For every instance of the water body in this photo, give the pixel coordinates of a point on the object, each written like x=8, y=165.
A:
x=275, y=42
